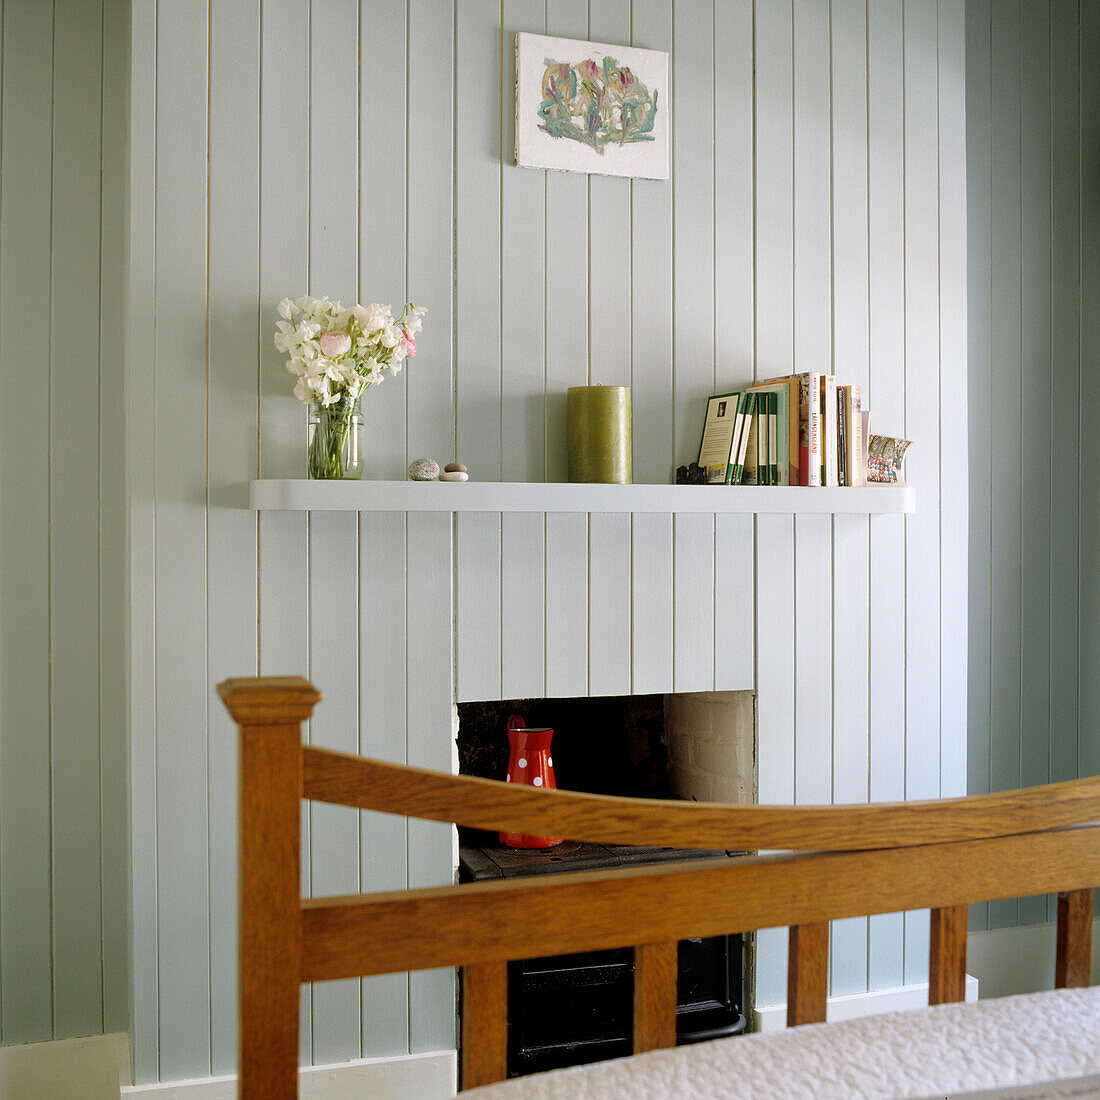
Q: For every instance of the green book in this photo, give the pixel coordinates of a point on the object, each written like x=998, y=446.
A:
x=742, y=446
x=781, y=391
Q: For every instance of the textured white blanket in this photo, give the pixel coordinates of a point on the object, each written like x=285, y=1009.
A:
x=946, y=1051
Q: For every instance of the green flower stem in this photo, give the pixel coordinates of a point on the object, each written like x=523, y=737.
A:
x=330, y=435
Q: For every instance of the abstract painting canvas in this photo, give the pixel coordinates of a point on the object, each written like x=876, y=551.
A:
x=591, y=107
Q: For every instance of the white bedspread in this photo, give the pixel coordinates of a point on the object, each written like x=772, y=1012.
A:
x=1014, y=1044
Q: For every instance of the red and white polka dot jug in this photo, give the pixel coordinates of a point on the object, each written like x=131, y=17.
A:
x=530, y=762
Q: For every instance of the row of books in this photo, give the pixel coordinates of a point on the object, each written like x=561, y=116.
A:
x=802, y=429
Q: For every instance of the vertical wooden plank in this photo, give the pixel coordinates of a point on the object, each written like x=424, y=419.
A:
x=773, y=197
x=234, y=336
x=979, y=294
x=734, y=291
x=183, y=921
x=430, y=258
x=609, y=588
x=947, y=955
x=429, y=692
x=922, y=419
x=113, y=781
x=693, y=335
x=523, y=280
x=566, y=605
x=333, y=537
x=651, y=603
x=567, y=254
x=383, y=863
x=609, y=238
x=282, y=598
x=655, y=974
x=813, y=659
x=651, y=288
x=851, y=534
x=567, y=314
x=477, y=605
x=693, y=603
x=807, y=974
x=734, y=330
x=1088, y=759
x=954, y=491
x=74, y=521
x=885, y=397
x=1005, y=610
x=1073, y=954
x=25, y=962
x=478, y=229
x=385, y=133
x=522, y=605
x=1037, y=442
x=484, y=1024
x=141, y=562
x=1065, y=564
x=384, y=137
x=734, y=592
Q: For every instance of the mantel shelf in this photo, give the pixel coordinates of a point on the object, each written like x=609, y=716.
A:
x=521, y=496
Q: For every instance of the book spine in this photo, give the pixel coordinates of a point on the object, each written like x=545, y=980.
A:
x=738, y=427
x=811, y=465
x=773, y=440
x=762, y=402
x=842, y=435
x=857, y=444
x=828, y=430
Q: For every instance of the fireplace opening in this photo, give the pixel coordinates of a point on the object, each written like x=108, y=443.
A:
x=569, y=1009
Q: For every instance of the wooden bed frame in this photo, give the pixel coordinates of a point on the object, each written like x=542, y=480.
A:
x=836, y=861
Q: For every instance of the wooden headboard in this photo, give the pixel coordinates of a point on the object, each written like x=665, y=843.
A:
x=837, y=861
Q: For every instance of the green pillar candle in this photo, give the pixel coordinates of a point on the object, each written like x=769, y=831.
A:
x=598, y=434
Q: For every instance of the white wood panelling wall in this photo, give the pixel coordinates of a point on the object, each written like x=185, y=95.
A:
x=63, y=771
x=1034, y=226
x=815, y=221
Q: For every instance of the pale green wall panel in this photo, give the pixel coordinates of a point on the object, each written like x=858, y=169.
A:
x=1032, y=90
x=64, y=881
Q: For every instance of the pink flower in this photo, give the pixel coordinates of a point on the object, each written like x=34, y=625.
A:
x=334, y=344
x=408, y=343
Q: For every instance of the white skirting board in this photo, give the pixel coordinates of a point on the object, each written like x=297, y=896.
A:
x=774, y=1017
x=432, y=1076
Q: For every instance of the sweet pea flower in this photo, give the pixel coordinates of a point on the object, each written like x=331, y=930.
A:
x=408, y=344
x=334, y=344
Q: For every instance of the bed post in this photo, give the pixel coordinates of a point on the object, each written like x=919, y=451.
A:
x=807, y=974
x=269, y=712
x=1073, y=959
x=947, y=955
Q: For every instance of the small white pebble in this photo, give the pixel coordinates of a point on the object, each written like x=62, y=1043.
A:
x=454, y=475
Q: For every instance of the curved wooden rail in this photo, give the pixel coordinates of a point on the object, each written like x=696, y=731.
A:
x=487, y=804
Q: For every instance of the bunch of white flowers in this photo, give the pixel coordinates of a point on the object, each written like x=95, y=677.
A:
x=337, y=353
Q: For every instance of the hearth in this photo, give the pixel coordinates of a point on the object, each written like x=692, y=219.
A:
x=564, y=1010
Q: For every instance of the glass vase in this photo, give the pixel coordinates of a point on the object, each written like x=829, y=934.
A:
x=335, y=441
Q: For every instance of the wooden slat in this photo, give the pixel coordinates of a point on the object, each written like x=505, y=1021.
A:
x=807, y=974
x=270, y=928
x=1073, y=956
x=603, y=909
x=484, y=1024
x=655, y=973
x=489, y=804
x=947, y=955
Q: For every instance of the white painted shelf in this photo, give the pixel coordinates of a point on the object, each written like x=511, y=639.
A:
x=521, y=496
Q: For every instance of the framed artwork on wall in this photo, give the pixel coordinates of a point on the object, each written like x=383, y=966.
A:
x=591, y=107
